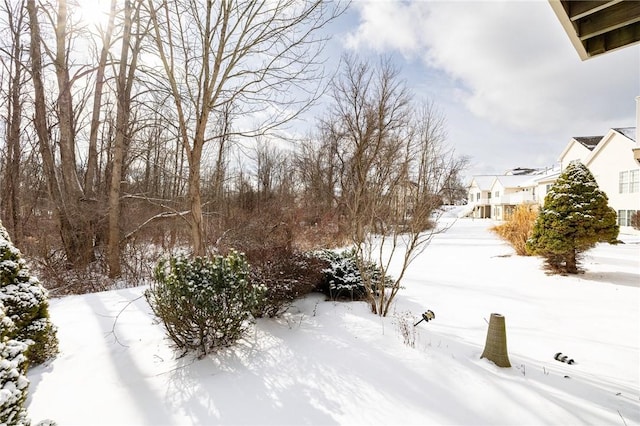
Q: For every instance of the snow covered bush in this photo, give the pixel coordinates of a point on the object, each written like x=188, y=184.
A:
x=575, y=217
x=204, y=303
x=343, y=278
x=26, y=304
x=518, y=228
x=286, y=276
x=13, y=381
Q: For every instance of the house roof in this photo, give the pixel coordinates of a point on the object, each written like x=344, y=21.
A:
x=588, y=142
x=599, y=26
x=514, y=181
x=550, y=176
x=607, y=139
x=629, y=132
x=483, y=182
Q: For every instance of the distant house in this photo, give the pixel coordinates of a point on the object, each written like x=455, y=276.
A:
x=497, y=196
x=610, y=158
x=510, y=191
x=480, y=196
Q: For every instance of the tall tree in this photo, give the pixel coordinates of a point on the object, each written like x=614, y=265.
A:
x=63, y=182
x=575, y=216
x=262, y=57
x=90, y=177
x=13, y=67
x=130, y=49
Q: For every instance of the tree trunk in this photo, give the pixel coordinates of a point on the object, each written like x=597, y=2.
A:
x=90, y=178
x=571, y=263
x=122, y=139
x=11, y=189
x=195, y=203
x=66, y=194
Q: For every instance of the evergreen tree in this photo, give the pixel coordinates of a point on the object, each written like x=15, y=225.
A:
x=575, y=217
x=25, y=304
x=13, y=380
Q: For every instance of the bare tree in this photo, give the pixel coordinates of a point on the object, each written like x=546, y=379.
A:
x=316, y=165
x=63, y=182
x=391, y=163
x=14, y=77
x=261, y=56
x=127, y=65
x=90, y=177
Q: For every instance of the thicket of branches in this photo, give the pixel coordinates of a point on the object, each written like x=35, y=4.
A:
x=153, y=132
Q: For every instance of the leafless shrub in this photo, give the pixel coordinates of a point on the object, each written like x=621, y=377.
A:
x=404, y=326
x=635, y=220
x=517, y=230
x=286, y=276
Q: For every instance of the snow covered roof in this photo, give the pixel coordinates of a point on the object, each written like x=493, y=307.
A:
x=483, y=182
x=629, y=132
x=522, y=180
x=514, y=181
x=550, y=176
x=588, y=142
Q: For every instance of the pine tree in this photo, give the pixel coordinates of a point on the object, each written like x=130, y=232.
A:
x=25, y=304
x=575, y=217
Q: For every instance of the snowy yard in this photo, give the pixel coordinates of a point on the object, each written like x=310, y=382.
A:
x=327, y=363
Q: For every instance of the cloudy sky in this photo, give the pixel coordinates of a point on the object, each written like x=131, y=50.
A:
x=503, y=73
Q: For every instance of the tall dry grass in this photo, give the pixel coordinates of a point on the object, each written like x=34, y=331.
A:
x=517, y=230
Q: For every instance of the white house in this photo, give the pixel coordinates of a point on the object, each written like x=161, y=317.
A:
x=613, y=159
x=612, y=163
x=508, y=192
x=578, y=148
x=496, y=196
x=480, y=195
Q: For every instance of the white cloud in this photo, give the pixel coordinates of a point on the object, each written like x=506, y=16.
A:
x=387, y=25
x=513, y=59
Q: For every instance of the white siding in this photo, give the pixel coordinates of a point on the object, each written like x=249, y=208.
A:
x=575, y=151
x=611, y=157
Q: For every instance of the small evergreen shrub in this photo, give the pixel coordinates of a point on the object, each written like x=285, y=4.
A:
x=286, y=276
x=26, y=304
x=517, y=230
x=343, y=278
x=204, y=303
x=13, y=381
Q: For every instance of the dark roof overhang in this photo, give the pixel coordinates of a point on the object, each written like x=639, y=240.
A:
x=596, y=26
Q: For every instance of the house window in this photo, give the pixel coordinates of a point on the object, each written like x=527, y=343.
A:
x=624, y=217
x=623, y=182
x=497, y=194
x=477, y=196
x=634, y=180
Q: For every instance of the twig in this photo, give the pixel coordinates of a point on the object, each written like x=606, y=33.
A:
x=115, y=321
x=623, y=421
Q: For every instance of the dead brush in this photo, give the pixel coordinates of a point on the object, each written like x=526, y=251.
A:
x=517, y=229
x=403, y=322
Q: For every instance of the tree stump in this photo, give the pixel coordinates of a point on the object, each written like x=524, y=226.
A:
x=495, y=348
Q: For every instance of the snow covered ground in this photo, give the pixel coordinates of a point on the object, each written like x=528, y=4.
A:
x=326, y=363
